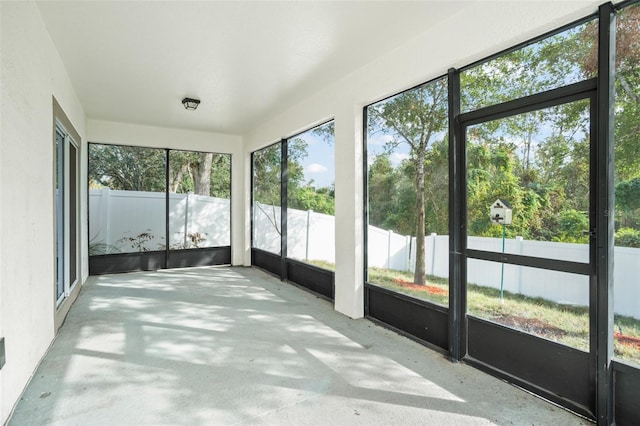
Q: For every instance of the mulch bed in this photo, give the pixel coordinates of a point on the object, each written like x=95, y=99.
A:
x=431, y=289
x=628, y=340
x=531, y=325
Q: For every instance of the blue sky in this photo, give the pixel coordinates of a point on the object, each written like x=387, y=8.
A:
x=319, y=165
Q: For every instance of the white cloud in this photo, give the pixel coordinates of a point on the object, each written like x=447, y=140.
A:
x=397, y=157
x=316, y=168
x=379, y=139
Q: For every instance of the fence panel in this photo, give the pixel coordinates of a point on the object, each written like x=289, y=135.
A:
x=118, y=215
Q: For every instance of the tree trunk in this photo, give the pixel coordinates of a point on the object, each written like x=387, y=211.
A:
x=177, y=179
x=419, y=275
x=202, y=175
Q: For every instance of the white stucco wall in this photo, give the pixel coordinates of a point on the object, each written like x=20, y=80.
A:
x=30, y=74
x=158, y=137
x=475, y=32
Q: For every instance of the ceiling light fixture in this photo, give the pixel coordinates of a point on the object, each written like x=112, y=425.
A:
x=190, y=104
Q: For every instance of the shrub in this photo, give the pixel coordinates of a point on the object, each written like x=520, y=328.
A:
x=627, y=237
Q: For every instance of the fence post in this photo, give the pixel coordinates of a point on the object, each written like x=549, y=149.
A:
x=433, y=253
x=389, y=249
x=407, y=248
x=519, y=251
x=186, y=220
x=306, y=248
x=105, y=196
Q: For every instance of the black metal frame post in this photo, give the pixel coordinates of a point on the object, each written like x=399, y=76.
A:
x=457, y=222
x=166, y=207
x=604, y=219
x=251, y=201
x=284, y=189
x=365, y=204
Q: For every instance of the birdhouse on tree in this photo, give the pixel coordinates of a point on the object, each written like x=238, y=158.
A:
x=500, y=213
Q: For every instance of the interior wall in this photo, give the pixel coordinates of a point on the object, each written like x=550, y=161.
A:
x=31, y=73
x=108, y=132
x=476, y=31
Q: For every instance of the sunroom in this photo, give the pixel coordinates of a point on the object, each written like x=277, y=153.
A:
x=465, y=174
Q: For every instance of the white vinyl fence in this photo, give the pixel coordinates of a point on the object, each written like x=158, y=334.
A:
x=126, y=221
x=311, y=237
x=118, y=215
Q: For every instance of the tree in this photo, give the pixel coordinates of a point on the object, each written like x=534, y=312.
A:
x=202, y=173
x=127, y=168
x=416, y=118
x=267, y=176
x=383, y=180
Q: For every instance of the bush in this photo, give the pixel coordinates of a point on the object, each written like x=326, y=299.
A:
x=627, y=237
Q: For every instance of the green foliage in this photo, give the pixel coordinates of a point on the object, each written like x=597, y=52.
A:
x=628, y=194
x=537, y=161
x=572, y=227
x=307, y=197
x=627, y=237
x=200, y=173
x=142, y=169
x=301, y=195
x=126, y=168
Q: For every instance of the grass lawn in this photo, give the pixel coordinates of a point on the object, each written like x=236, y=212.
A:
x=565, y=324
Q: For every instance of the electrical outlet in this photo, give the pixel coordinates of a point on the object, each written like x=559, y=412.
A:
x=3, y=359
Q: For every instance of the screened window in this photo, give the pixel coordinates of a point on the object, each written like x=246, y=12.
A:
x=555, y=61
x=310, y=197
x=126, y=199
x=199, y=199
x=538, y=163
x=408, y=192
x=267, y=191
x=627, y=187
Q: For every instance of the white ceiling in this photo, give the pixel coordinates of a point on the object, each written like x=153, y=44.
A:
x=133, y=61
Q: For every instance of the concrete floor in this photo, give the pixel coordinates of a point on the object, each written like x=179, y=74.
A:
x=227, y=346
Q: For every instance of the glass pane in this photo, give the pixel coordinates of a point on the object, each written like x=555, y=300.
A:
x=310, y=199
x=537, y=165
x=59, y=214
x=73, y=214
x=199, y=200
x=549, y=304
x=565, y=58
x=126, y=199
x=408, y=245
x=627, y=187
x=266, y=198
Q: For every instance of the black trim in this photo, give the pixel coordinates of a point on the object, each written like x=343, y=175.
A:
x=206, y=256
x=552, y=370
x=623, y=4
x=127, y=262
x=252, y=201
x=310, y=277
x=267, y=261
x=365, y=200
x=284, y=195
x=309, y=129
x=626, y=388
x=602, y=222
x=457, y=223
x=530, y=41
x=550, y=98
x=419, y=319
x=167, y=207
x=533, y=262
x=155, y=260
x=319, y=280
x=417, y=86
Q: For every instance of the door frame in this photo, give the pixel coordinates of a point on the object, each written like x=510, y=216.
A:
x=560, y=373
